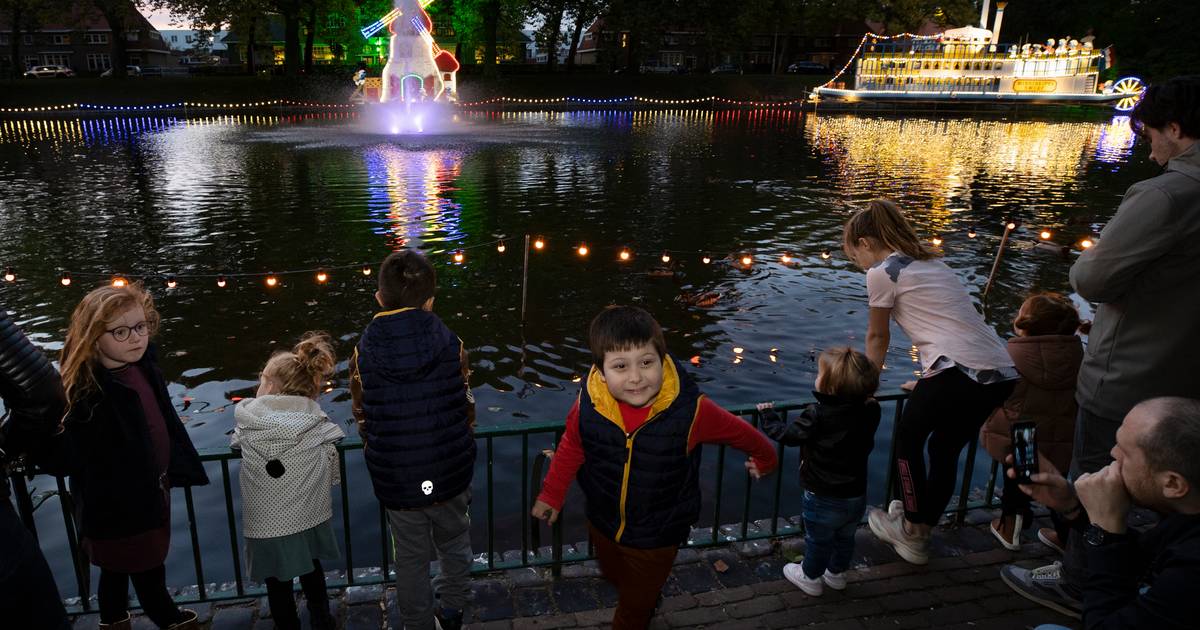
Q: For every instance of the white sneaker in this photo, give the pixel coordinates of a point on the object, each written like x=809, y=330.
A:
x=890, y=529
x=795, y=574
x=835, y=581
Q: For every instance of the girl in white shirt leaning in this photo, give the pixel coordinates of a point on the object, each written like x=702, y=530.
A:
x=966, y=369
x=289, y=464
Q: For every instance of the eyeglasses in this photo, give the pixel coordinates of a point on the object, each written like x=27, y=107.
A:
x=121, y=333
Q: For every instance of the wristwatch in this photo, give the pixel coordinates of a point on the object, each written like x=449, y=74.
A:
x=1097, y=536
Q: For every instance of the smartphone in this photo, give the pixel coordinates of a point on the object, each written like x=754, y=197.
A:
x=1024, y=449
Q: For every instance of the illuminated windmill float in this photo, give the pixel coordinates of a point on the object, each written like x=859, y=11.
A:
x=969, y=64
x=417, y=70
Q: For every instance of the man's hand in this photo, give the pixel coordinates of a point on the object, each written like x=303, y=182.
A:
x=1049, y=487
x=752, y=468
x=763, y=406
x=908, y=386
x=1105, y=497
x=542, y=510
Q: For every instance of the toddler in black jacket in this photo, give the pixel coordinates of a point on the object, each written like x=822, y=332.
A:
x=836, y=435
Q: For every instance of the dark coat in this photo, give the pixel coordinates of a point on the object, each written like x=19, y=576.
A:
x=835, y=436
x=419, y=443
x=643, y=487
x=117, y=489
x=1049, y=366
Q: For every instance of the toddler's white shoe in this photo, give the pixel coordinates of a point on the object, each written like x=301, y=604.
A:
x=795, y=574
x=835, y=581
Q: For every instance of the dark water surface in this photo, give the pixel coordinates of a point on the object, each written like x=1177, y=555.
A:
x=153, y=196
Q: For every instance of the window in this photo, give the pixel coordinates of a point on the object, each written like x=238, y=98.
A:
x=134, y=60
x=56, y=59
x=334, y=21
x=156, y=35
x=3, y=39
x=31, y=61
x=98, y=61
x=60, y=39
x=188, y=39
x=96, y=38
x=132, y=36
x=174, y=39
x=820, y=42
x=27, y=40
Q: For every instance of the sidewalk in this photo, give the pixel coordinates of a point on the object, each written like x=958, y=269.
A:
x=740, y=586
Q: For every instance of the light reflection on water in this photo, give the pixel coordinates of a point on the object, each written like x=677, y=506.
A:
x=261, y=193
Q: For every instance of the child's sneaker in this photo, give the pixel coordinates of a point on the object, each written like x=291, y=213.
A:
x=835, y=581
x=795, y=574
x=889, y=527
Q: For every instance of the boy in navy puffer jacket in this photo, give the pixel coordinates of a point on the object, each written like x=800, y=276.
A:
x=415, y=414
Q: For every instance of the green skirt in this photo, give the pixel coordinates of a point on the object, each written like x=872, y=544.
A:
x=286, y=557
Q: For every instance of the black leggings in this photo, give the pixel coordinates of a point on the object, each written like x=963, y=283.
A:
x=947, y=410
x=151, y=589
x=283, y=602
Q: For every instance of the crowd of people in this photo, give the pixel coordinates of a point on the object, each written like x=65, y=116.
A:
x=1122, y=417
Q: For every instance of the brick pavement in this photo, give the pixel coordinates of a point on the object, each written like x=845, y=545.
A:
x=739, y=586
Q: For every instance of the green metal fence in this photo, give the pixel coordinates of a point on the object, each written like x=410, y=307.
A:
x=530, y=482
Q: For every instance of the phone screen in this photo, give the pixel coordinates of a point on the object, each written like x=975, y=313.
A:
x=1024, y=448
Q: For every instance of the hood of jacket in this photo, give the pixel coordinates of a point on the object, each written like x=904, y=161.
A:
x=405, y=344
x=1049, y=362
x=272, y=426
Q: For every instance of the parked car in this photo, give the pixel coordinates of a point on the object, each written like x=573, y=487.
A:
x=132, y=71
x=49, y=72
x=655, y=67
x=726, y=68
x=807, y=67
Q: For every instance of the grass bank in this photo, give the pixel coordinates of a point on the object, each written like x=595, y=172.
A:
x=240, y=89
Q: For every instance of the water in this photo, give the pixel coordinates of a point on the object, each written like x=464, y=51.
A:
x=251, y=194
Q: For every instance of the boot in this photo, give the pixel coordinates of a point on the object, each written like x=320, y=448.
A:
x=189, y=621
x=318, y=614
x=124, y=624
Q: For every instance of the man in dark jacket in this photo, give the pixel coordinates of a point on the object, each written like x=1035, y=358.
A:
x=1136, y=580
x=33, y=396
x=415, y=415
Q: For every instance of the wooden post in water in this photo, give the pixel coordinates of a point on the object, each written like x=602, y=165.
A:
x=525, y=280
x=1009, y=226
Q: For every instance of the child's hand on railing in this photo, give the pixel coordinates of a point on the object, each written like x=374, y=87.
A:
x=752, y=467
x=542, y=510
x=908, y=386
x=762, y=406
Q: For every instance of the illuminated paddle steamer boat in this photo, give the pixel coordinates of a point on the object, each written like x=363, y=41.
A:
x=969, y=65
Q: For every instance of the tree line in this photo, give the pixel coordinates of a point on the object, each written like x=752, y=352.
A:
x=1148, y=35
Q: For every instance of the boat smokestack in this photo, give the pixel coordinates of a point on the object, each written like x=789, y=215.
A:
x=983, y=15
x=999, y=20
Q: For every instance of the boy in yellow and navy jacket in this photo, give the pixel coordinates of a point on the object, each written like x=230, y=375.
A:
x=633, y=442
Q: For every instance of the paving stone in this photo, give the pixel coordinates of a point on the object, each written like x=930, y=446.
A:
x=754, y=548
x=492, y=600
x=264, y=624
x=696, y=578
x=842, y=624
x=546, y=621
x=736, y=624
x=797, y=598
x=738, y=574
x=754, y=607
x=86, y=622
x=898, y=622
x=356, y=595
x=233, y=618
x=1006, y=603
x=773, y=588
x=607, y=593
x=995, y=556
x=956, y=613
x=724, y=596
x=532, y=601
x=792, y=548
x=602, y=617
x=862, y=608
x=882, y=571
x=961, y=593
x=502, y=624
x=365, y=617
x=909, y=600
x=529, y=576
x=687, y=556
x=584, y=570
x=572, y=596
x=769, y=569
x=695, y=617
x=678, y=602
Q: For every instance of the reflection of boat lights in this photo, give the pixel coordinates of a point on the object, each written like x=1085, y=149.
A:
x=1116, y=140
x=785, y=259
x=937, y=241
x=1046, y=234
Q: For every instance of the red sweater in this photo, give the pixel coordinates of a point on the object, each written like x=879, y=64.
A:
x=713, y=425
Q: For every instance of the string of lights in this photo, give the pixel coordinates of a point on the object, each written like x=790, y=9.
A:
x=863, y=41
x=563, y=100
x=623, y=253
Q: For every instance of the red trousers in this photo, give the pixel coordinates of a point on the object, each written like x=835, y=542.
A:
x=638, y=574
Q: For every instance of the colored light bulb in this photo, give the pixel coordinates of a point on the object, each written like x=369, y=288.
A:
x=366, y=270
x=747, y=260
x=221, y=281
x=501, y=247
x=539, y=243
x=624, y=255
x=119, y=282
x=459, y=256
x=666, y=257
x=322, y=276
x=582, y=250
x=1045, y=235
x=10, y=275
x=66, y=279
x=272, y=281
x=937, y=241
x=171, y=282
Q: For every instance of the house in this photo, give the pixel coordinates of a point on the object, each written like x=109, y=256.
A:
x=80, y=38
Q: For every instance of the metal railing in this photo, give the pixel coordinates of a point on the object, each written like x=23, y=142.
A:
x=531, y=552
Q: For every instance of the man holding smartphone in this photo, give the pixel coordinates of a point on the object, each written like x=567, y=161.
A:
x=1135, y=579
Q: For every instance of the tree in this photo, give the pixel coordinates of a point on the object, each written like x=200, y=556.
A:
x=118, y=14
x=551, y=13
x=583, y=13
x=25, y=16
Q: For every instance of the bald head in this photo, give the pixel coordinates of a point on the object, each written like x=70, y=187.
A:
x=1168, y=432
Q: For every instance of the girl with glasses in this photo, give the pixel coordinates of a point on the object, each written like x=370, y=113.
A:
x=130, y=449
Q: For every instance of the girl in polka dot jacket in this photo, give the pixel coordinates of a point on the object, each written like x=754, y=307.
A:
x=289, y=464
